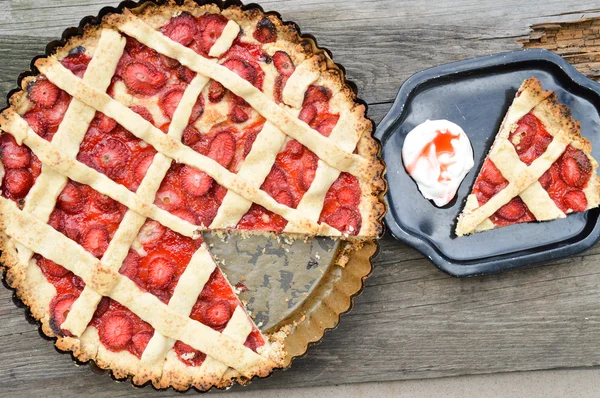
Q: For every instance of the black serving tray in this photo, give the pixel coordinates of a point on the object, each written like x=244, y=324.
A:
x=476, y=94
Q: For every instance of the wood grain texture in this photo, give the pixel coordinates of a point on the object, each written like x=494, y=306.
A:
x=412, y=321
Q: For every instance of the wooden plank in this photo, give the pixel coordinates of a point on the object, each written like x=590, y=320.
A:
x=412, y=321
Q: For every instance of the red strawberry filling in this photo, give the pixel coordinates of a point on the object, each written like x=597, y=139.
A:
x=214, y=308
x=120, y=329
x=340, y=209
x=530, y=138
x=21, y=168
x=190, y=193
x=283, y=63
x=181, y=29
x=121, y=156
x=162, y=261
x=211, y=27
x=87, y=217
x=315, y=110
x=488, y=184
x=68, y=287
x=265, y=31
x=566, y=179
x=143, y=79
x=49, y=104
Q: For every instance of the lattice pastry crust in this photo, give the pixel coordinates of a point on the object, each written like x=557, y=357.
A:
x=348, y=148
x=524, y=180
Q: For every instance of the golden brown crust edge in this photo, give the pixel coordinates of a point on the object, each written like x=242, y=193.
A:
x=367, y=147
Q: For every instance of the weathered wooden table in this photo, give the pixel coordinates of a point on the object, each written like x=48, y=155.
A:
x=412, y=321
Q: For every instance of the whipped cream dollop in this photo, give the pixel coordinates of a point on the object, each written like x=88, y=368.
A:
x=438, y=155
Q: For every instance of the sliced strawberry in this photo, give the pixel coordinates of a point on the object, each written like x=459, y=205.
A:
x=253, y=341
x=280, y=83
x=105, y=203
x=18, y=182
x=217, y=314
x=143, y=112
x=13, y=155
x=205, y=208
x=283, y=63
x=190, y=136
x=37, y=121
x=188, y=355
x=116, y=331
x=222, y=148
x=513, y=210
x=169, y=198
x=185, y=74
x=56, y=113
x=169, y=63
x=130, y=264
x=285, y=198
x=143, y=79
x=546, y=179
x=349, y=195
x=575, y=168
x=105, y=123
x=142, y=166
x=102, y=307
x=194, y=181
x=110, y=155
x=59, y=310
x=243, y=68
x=486, y=188
x=216, y=92
x=250, y=138
x=523, y=136
x=169, y=101
x=295, y=149
x=211, y=26
x=71, y=200
x=151, y=232
x=238, y=115
x=181, y=28
x=197, y=110
x=491, y=174
x=306, y=178
x=345, y=220
x=265, y=31
x=570, y=172
x=308, y=113
x=220, y=192
x=317, y=94
x=160, y=273
x=51, y=268
x=575, y=200
x=95, y=240
x=186, y=215
x=327, y=125
x=140, y=340
x=57, y=220
x=43, y=93
x=276, y=180
x=77, y=61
